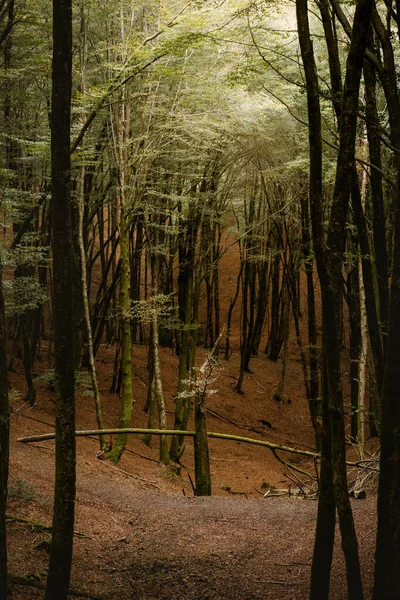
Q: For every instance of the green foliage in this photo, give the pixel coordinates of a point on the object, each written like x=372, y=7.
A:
x=22, y=294
x=160, y=305
x=83, y=381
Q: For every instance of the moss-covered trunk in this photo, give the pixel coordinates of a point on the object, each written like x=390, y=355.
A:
x=126, y=345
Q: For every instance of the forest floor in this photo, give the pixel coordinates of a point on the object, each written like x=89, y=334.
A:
x=146, y=537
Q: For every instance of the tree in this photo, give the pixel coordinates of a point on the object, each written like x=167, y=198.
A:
x=329, y=255
x=4, y=443
x=387, y=565
x=63, y=304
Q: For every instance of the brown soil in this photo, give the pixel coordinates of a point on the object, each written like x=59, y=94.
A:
x=148, y=537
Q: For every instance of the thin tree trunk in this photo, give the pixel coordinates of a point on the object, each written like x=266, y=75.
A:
x=201, y=452
x=158, y=389
x=154, y=337
x=82, y=253
x=314, y=400
x=126, y=346
x=354, y=305
x=232, y=304
x=379, y=217
x=86, y=308
x=4, y=444
x=286, y=318
x=326, y=517
x=362, y=369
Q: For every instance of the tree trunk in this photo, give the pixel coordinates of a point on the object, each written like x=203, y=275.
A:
x=387, y=557
x=4, y=443
x=64, y=310
x=331, y=286
x=379, y=216
x=330, y=262
x=275, y=336
x=326, y=517
x=126, y=346
x=82, y=254
x=354, y=305
x=201, y=452
x=314, y=400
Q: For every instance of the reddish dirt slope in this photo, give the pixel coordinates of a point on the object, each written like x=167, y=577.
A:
x=149, y=538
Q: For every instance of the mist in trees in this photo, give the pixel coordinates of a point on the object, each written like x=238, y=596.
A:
x=142, y=146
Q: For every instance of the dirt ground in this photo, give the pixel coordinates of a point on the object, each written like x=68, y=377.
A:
x=146, y=537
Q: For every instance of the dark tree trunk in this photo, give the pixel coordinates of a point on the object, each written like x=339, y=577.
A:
x=232, y=304
x=261, y=305
x=330, y=262
x=387, y=565
x=353, y=302
x=326, y=518
x=4, y=443
x=188, y=297
x=201, y=452
x=360, y=220
x=244, y=333
x=387, y=557
x=331, y=286
x=374, y=329
x=275, y=336
x=379, y=216
x=63, y=276
x=325, y=529
x=314, y=399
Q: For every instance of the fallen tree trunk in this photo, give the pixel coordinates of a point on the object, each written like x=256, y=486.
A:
x=131, y=430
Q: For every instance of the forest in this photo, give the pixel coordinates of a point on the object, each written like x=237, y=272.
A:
x=204, y=196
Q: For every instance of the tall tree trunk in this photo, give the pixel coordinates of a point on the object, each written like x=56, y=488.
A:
x=331, y=286
x=354, y=305
x=379, y=216
x=201, y=452
x=232, y=304
x=314, y=400
x=82, y=253
x=286, y=319
x=362, y=369
x=330, y=263
x=387, y=556
x=4, y=443
x=158, y=390
x=153, y=243
x=326, y=517
x=275, y=336
x=126, y=345
x=64, y=313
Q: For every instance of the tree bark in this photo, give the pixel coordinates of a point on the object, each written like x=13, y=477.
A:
x=326, y=517
x=387, y=556
x=325, y=530
x=64, y=313
x=4, y=443
x=329, y=261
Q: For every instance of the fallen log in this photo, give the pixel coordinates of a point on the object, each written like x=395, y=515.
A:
x=136, y=430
